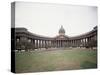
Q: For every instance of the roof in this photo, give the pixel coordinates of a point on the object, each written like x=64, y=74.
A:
x=25, y=32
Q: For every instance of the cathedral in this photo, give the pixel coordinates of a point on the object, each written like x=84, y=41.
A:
x=25, y=40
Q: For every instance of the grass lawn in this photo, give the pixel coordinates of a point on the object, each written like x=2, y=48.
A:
x=68, y=59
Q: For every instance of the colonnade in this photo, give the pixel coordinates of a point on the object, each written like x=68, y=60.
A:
x=31, y=43
x=27, y=41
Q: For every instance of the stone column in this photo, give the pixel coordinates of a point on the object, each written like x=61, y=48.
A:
x=55, y=43
x=70, y=43
x=48, y=43
x=51, y=43
x=37, y=44
x=59, y=43
x=76, y=42
x=62, y=43
x=33, y=44
x=42, y=43
x=73, y=42
x=66, y=44
x=79, y=42
x=84, y=42
x=45, y=43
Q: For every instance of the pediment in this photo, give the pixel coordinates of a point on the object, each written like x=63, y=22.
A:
x=61, y=37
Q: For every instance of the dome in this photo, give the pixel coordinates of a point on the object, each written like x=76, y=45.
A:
x=62, y=31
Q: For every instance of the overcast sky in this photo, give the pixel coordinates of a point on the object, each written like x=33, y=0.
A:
x=46, y=19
